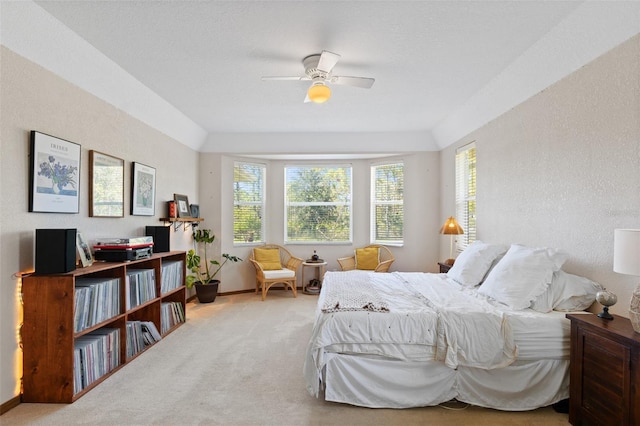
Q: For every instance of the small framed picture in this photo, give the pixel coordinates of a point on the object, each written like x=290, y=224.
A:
x=143, y=190
x=195, y=210
x=182, y=205
x=84, y=252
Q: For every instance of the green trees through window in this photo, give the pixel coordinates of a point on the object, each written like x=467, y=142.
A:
x=387, y=209
x=318, y=203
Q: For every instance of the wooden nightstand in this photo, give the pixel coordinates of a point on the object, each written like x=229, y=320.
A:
x=605, y=371
x=444, y=267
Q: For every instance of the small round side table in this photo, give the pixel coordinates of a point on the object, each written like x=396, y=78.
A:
x=318, y=273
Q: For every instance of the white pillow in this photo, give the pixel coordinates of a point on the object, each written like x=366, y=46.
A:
x=572, y=292
x=522, y=275
x=473, y=263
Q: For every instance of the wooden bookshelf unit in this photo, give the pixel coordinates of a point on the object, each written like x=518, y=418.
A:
x=52, y=340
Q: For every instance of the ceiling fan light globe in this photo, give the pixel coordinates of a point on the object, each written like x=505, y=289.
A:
x=319, y=93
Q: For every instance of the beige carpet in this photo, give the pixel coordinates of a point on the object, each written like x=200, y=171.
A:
x=239, y=361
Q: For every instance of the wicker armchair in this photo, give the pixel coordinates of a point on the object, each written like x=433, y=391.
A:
x=265, y=279
x=385, y=255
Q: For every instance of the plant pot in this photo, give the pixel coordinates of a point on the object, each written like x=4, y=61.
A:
x=207, y=293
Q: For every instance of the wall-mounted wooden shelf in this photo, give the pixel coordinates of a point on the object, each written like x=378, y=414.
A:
x=181, y=221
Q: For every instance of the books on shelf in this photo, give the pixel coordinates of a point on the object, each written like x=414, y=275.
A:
x=140, y=286
x=172, y=275
x=96, y=300
x=94, y=355
x=171, y=314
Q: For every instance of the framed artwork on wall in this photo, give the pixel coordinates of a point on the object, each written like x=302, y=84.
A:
x=54, y=171
x=106, y=185
x=182, y=205
x=143, y=190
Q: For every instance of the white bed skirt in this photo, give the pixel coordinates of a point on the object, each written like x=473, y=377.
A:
x=385, y=383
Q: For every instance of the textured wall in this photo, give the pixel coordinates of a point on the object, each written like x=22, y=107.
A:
x=563, y=168
x=36, y=99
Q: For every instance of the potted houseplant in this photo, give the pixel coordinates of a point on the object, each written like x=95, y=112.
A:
x=202, y=271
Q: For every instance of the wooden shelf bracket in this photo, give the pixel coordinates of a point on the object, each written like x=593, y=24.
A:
x=184, y=222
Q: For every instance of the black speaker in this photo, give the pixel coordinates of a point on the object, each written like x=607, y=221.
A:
x=55, y=251
x=160, y=236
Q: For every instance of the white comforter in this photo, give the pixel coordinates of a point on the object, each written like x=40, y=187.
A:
x=430, y=317
x=471, y=331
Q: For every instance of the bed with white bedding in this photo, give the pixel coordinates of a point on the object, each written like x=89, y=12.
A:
x=407, y=339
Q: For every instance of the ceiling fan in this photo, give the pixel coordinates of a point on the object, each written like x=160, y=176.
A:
x=318, y=69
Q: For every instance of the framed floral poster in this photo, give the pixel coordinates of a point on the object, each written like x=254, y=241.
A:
x=54, y=178
x=143, y=190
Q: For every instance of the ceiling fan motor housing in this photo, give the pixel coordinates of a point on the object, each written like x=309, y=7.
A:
x=311, y=68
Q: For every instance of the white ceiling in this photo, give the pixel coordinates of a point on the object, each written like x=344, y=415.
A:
x=430, y=59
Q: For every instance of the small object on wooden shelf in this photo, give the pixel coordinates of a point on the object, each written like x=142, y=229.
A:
x=444, y=267
x=195, y=210
x=182, y=205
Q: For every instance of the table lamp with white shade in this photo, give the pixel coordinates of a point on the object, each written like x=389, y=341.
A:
x=626, y=260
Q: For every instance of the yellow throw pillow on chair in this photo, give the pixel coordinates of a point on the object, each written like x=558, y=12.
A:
x=367, y=258
x=268, y=258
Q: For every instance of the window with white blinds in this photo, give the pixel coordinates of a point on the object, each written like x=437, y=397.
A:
x=248, y=202
x=466, y=194
x=318, y=204
x=387, y=203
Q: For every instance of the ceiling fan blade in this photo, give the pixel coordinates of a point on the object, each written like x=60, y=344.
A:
x=327, y=61
x=285, y=78
x=306, y=99
x=364, y=82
